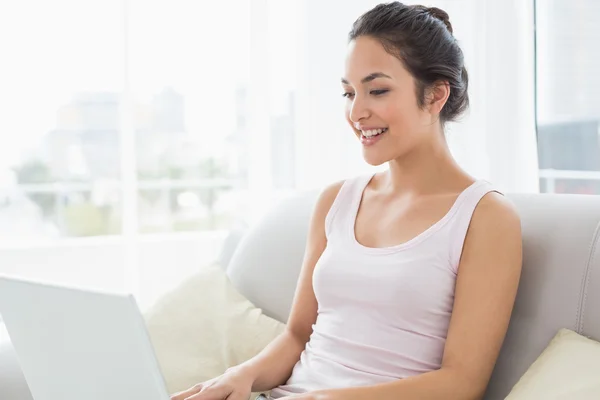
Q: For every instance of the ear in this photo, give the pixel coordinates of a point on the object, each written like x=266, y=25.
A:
x=437, y=96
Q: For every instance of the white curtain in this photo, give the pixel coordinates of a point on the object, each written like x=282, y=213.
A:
x=295, y=47
x=495, y=140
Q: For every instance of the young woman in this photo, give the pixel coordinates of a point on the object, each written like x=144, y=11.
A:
x=410, y=275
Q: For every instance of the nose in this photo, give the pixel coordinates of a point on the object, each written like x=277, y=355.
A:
x=358, y=110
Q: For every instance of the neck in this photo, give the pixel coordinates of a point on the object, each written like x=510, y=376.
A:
x=428, y=168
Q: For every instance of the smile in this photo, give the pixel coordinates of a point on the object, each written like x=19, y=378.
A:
x=373, y=132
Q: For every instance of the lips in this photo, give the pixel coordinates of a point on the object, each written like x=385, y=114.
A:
x=371, y=140
x=373, y=132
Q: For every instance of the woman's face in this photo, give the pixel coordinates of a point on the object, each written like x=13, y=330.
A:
x=381, y=102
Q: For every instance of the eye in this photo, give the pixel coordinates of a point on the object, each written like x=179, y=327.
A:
x=348, y=95
x=379, y=92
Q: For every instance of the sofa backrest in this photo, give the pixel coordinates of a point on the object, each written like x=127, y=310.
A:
x=560, y=284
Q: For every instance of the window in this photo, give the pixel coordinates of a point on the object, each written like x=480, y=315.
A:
x=188, y=75
x=140, y=117
x=568, y=113
x=136, y=134
x=61, y=83
x=155, y=126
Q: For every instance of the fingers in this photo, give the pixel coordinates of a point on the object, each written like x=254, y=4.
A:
x=187, y=393
x=238, y=396
x=211, y=393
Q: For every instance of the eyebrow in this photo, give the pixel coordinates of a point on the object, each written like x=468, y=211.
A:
x=369, y=78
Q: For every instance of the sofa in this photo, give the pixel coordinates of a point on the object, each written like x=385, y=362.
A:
x=560, y=284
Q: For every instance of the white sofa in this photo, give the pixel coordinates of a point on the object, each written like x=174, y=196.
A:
x=560, y=285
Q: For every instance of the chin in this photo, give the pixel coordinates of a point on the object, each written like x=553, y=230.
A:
x=375, y=160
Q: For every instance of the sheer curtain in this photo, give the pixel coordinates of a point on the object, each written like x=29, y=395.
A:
x=495, y=140
x=271, y=84
x=499, y=44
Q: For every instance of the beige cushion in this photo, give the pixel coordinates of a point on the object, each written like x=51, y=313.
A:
x=569, y=369
x=205, y=326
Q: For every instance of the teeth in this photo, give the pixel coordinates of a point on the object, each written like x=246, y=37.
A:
x=373, y=132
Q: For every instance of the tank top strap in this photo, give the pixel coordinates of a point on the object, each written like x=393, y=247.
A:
x=341, y=212
x=462, y=220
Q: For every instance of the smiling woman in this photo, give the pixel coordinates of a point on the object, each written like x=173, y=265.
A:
x=380, y=90
x=405, y=290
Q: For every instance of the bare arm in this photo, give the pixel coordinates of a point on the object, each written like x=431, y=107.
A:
x=486, y=288
x=273, y=366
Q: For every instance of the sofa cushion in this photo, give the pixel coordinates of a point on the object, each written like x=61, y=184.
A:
x=205, y=326
x=267, y=262
x=569, y=368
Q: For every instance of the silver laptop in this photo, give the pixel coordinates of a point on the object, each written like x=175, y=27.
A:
x=76, y=344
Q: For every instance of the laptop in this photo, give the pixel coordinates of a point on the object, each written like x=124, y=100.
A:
x=75, y=344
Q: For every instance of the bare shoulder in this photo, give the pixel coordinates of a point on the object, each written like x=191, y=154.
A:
x=326, y=199
x=330, y=192
x=494, y=237
x=498, y=213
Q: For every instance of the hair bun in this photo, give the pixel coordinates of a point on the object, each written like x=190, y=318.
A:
x=441, y=15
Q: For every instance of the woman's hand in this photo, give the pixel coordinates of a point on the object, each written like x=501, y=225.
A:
x=232, y=385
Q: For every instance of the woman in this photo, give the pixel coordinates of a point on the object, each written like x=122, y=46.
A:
x=410, y=275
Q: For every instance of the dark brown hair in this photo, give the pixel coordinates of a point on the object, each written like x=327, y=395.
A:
x=422, y=38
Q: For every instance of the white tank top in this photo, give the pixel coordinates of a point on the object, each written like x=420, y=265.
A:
x=383, y=313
